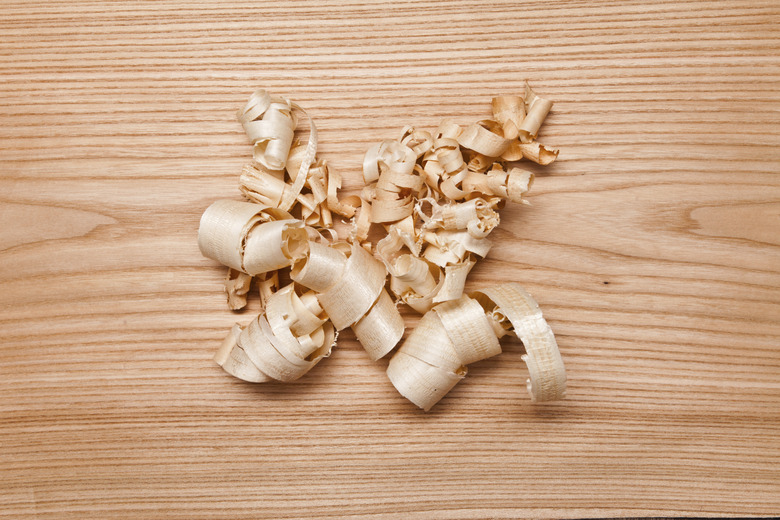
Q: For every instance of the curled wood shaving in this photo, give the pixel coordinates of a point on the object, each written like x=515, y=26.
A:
x=282, y=344
x=237, y=286
x=485, y=138
x=269, y=124
x=475, y=215
x=435, y=194
x=456, y=333
x=350, y=288
x=497, y=183
x=467, y=177
x=245, y=237
x=267, y=285
x=392, y=179
x=537, y=109
x=346, y=207
x=547, y=381
x=538, y=153
x=509, y=111
x=235, y=361
x=349, y=296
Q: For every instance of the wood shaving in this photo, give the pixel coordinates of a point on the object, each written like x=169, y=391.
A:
x=456, y=333
x=282, y=344
x=249, y=238
x=435, y=196
x=350, y=288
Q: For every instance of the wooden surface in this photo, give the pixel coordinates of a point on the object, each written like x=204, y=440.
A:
x=652, y=245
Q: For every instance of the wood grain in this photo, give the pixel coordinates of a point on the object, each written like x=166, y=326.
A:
x=652, y=245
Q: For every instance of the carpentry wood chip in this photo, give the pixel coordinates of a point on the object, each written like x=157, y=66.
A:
x=547, y=381
x=536, y=109
x=244, y=237
x=435, y=194
x=350, y=287
x=456, y=333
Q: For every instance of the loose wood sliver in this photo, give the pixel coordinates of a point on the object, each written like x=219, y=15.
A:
x=469, y=330
x=290, y=195
x=462, y=173
x=538, y=153
x=241, y=235
x=419, y=382
x=354, y=293
x=233, y=360
x=261, y=185
x=466, y=330
x=536, y=111
x=510, y=112
x=453, y=280
x=237, y=286
x=547, y=381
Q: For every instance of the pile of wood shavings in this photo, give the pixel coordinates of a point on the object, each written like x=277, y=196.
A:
x=436, y=196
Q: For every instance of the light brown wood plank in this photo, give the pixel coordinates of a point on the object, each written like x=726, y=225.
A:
x=652, y=245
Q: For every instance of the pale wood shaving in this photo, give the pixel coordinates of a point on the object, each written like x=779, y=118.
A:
x=486, y=138
x=321, y=267
x=351, y=295
x=436, y=195
x=537, y=109
x=282, y=344
x=237, y=286
x=420, y=382
x=510, y=112
x=233, y=360
x=245, y=237
x=456, y=333
x=269, y=124
x=381, y=328
x=547, y=380
x=389, y=172
x=453, y=280
x=538, y=153
x=468, y=328
x=267, y=285
x=350, y=288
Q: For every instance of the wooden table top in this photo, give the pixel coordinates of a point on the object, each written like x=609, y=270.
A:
x=652, y=246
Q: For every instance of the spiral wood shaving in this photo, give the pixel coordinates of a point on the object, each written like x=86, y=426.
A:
x=435, y=197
